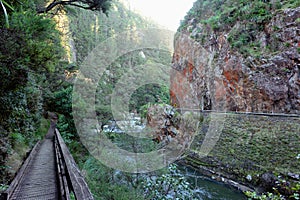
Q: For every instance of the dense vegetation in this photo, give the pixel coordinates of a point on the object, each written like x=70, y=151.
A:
x=244, y=18
x=88, y=31
x=223, y=14
x=30, y=62
x=251, y=148
x=95, y=5
x=32, y=68
x=37, y=71
x=36, y=77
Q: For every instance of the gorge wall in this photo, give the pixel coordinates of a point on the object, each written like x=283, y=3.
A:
x=242, y=57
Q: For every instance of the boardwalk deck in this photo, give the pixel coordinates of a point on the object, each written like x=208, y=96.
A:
x=40, y=182
x=48, y=173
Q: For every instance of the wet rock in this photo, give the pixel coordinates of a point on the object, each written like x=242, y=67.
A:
x=170, y=128
x=292, y=15
x=159, y=120
x=249, y=177
x=268, y=181
x=279, y=61
x=294, y=176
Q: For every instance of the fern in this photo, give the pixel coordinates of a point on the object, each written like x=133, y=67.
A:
x=5, y=14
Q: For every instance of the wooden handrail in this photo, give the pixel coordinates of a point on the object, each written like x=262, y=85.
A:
x=75, y=180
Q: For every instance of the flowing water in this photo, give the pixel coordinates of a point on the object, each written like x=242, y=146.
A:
x=203, y=188
x=208, y=189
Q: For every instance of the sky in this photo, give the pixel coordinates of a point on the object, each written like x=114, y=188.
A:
x=166, y=12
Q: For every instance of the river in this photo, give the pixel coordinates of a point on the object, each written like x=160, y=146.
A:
x=208, y=189
x=203, y=187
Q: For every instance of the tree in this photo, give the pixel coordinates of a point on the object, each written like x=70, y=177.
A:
x=98, y=5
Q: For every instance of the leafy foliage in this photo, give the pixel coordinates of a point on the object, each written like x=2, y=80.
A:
x=223, y=14
x=276, y=195
x=171, y=185
x=150, y=93
x=242, y=19
x=267, y=196
x=5, y=13
x=30, y=52
x=106, y=183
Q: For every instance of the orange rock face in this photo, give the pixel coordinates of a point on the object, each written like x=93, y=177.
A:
x=214, y=76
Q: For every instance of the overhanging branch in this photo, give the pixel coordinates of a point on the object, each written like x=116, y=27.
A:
x=84, y=4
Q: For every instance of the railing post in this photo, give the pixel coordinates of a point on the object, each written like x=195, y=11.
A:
x=76, y=181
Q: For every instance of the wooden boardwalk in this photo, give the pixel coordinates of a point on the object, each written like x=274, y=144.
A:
x=40, y=182
x=48, y=173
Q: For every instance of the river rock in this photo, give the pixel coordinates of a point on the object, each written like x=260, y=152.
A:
x=249, y=177
x=268, y=181
x=169, y=127
x=294, y=176
x=161, y=123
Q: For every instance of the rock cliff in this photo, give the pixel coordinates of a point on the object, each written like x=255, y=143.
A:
x=238, y=57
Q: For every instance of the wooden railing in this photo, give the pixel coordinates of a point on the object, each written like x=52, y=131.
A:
x=69, y=176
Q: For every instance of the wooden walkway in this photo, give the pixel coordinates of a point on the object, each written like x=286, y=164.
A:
x=40, y=182
x=48, y=173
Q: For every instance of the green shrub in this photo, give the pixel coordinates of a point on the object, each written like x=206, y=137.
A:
x=17, y=139
x=171, y=185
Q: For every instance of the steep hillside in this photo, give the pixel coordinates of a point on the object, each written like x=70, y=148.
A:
x=240, y=56
x=236, y=55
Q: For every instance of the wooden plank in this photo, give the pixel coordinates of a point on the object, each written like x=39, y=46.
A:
x=6, y=194
x=78, y=184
